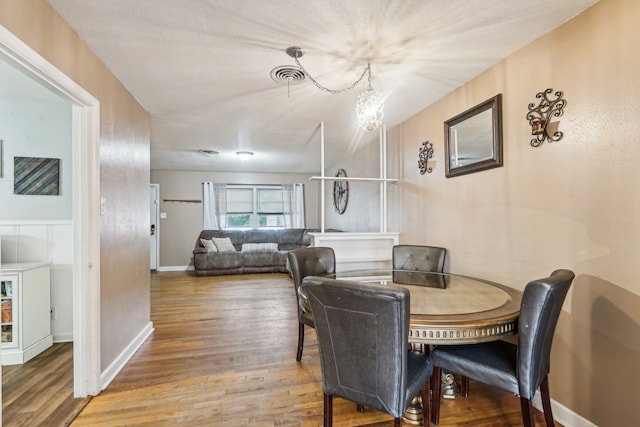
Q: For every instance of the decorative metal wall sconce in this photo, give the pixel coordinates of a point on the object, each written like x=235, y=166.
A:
x=539, y=117
x=425, y=153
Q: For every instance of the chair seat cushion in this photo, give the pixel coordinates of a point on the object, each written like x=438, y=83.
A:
x=492, y=363
x=419, y=369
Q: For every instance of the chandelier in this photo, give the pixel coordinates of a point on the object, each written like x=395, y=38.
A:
x=369, y=105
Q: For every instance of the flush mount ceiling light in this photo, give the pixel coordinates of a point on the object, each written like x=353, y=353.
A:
x=208, y=152
x=244, y=155
x=369, y=105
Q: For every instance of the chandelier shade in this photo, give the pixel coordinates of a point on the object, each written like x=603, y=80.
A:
x=370, y=109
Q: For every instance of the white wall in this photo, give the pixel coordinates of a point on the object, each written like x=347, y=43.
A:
x=37, y=228
x=35, y=129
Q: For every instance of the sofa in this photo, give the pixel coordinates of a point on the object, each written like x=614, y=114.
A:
x=252, y=251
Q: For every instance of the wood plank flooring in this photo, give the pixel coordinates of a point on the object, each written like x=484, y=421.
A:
x=223, y=354
x=40, y=392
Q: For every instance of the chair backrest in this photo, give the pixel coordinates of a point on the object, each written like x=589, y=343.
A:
x=311, y=261
x=539, y=311
x=362, y=331
x=419, y=258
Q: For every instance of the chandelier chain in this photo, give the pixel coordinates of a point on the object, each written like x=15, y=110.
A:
x=367, y=72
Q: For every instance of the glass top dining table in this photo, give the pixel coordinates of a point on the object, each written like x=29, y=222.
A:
x=450, y=308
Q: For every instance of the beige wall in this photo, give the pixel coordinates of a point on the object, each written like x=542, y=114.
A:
x=124, y=174
x=572, y=204
x=180, y=229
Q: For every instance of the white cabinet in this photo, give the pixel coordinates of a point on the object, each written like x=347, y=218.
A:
x=25, y=307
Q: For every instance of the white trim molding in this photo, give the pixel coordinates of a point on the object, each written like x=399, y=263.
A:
x=121, y=360
x=562, y=414
x=176, y=268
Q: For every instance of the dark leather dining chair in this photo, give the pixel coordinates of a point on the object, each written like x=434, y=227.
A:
x=363, y=331
x=521, y=368
x=312, y=261
x=418, y=258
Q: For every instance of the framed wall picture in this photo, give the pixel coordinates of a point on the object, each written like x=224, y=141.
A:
x=36, y=176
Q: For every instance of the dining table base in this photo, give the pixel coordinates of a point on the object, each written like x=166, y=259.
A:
x=448, y=387
x=414, y=414
x=449, y=390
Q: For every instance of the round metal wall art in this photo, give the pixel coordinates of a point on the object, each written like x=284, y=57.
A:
x=340, y=192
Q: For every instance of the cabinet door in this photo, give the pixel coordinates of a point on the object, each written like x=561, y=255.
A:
x=35, y=299
x=8, y=310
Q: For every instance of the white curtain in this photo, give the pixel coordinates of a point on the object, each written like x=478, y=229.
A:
x=214, y=206
x=293, y=205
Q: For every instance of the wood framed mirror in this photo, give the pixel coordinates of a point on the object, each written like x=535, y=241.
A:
x=473, y=139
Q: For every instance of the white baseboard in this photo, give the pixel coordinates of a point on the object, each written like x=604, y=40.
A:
x=562, y=414
x=16, y=356
x=176, y=268
x=116, y=366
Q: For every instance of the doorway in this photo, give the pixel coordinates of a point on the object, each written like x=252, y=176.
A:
x=85, y=209
x=154, y=212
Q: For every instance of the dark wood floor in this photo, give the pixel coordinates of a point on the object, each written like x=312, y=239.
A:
x=40, y=392
x=223, y=354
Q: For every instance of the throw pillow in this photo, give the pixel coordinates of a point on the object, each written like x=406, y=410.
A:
x=259, y=247
x=208, y=245
x=224, y=244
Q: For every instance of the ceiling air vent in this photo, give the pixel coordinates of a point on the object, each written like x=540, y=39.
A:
x=288, y=74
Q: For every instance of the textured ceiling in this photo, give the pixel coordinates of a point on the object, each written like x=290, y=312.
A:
x=202, y=67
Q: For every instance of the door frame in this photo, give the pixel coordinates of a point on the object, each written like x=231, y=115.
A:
x=86, y=207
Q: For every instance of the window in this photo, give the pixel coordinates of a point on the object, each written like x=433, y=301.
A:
x=255, y=207
x=252, y=206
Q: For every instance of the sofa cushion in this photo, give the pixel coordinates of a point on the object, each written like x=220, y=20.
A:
x=263, y=259
x=261, y=236
x=236, y=236
x=224, y=244
x=220, y=260
x=209, y=245
x=291, y=236
x=259, y=247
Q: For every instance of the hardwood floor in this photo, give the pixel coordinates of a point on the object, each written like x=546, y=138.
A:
x=40, y=392
x=223, y=354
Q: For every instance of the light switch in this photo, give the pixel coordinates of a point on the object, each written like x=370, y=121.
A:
x=163, y=215
x=103, y=205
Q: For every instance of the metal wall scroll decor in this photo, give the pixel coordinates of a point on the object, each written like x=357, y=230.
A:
x=425, y=153
x=539, y=117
